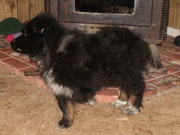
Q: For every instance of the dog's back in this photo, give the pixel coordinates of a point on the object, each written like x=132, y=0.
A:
x=115, y=46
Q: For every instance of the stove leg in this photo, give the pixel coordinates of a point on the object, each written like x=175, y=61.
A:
x=155, y=56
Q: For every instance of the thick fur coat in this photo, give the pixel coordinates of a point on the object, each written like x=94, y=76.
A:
x=77, y=65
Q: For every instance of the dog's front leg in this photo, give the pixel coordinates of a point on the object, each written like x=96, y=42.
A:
x=68, y=109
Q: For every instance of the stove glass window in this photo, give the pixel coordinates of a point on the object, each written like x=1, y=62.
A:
x=105, y=6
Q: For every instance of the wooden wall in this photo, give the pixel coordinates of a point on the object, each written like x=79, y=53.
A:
x=174, y=14
x=24, y=10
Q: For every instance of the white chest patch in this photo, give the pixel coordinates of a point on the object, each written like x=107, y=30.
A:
x=57, y=88
x=61, y=90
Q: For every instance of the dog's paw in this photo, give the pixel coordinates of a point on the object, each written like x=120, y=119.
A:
x=64, y=123
x=131, y=110
x=92, y=102
x=119, y=103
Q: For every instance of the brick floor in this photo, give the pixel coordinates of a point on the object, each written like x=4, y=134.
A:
x=157, y=81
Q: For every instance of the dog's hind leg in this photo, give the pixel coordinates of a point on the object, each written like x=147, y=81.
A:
x=122, y=100
x=136, y=103
x=134, y=85
x=68, y=109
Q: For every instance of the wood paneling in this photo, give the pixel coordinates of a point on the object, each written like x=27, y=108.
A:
x=174, y=14
x=24, y=10
x=8, y=8
x=36, y=7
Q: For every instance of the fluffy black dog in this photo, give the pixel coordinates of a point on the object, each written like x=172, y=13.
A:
x=77, y=65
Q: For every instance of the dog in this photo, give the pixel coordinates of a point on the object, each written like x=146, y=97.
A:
x=76, y=65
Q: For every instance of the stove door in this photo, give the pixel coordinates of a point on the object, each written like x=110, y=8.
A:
x=142, y=15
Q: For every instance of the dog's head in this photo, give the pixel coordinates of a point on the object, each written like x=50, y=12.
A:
x=39, y=33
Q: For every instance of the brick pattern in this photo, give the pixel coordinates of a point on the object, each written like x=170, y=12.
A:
x=157, y=81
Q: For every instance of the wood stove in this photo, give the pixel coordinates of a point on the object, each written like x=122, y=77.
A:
x=147, y=17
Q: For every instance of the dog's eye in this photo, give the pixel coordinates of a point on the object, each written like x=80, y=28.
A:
x=25, y=34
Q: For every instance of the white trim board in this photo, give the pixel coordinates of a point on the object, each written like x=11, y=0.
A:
x=173, y=32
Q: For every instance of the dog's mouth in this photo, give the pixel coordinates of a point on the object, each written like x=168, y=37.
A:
x=17, y=49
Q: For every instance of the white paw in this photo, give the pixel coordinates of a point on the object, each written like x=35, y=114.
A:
x=119, y=103
x=131, y=110
x=92, y=102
